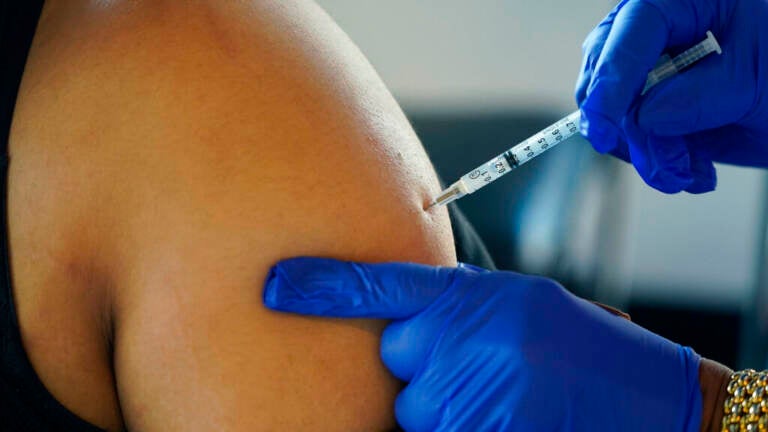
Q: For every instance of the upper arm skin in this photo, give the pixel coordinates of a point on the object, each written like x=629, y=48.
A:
x=229, y=136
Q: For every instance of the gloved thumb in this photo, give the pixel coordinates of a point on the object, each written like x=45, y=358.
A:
x=663, y=162
x=327, y=287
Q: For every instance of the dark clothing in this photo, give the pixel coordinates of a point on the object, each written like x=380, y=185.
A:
x=25, y=404
x=470, y=248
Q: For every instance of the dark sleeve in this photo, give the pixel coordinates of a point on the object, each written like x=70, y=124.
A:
x=470, y=248
x=18, y=20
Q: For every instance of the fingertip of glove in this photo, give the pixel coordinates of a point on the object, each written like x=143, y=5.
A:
x=270, y=294
x=300, y=285
x=704, y=178
x=398, y=351
x=669, y=181
x=278, y=291
x=415, y=412
x=599, y=131
x=663, y=163
x=702, y=185
x=672, y=177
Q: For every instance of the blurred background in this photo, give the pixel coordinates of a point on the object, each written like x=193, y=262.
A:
x=477, y=77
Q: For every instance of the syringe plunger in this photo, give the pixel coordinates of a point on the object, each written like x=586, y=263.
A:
x=668, y=67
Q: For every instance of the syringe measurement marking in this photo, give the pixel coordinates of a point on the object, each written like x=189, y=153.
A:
x=543, y=141
x=521, y=153
x=511, y=159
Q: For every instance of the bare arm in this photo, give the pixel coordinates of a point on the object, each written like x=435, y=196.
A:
x=713, y=378
x=233, y=135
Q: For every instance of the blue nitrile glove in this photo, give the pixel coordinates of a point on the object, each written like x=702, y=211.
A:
x=717, y=110
x=500, y=351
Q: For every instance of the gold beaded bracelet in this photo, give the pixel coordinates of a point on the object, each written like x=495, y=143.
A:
x=745, y=408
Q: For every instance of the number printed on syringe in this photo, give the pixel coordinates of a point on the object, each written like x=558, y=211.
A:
x=520, y=154
x=544, y=140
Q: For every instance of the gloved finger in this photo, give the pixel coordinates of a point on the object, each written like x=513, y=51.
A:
x=703, y=172
x=591, y=50
x=482, y=396
x=621, y=151
x=327, y=287
x=417, y=409
x=406, y=344
x=468, y=390
x=662, y=162
x=636, y=41
x=421, y=406
x=731, y=144
x=708, y=96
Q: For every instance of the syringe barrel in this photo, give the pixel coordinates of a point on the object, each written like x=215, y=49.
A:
x=522, y=153
x=487, y=173
x=562, y=130
x=668, y=67
x=665, y=68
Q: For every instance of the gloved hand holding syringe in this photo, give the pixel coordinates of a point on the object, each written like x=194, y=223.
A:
x=562, y=130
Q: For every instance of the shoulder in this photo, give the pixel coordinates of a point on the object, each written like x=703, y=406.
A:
x=233, y=103
x=207, y=140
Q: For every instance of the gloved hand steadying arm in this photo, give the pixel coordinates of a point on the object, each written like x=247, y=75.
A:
x=500, y=351
x=715, y=111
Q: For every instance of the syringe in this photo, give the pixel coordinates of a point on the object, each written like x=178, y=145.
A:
x=563, y=129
